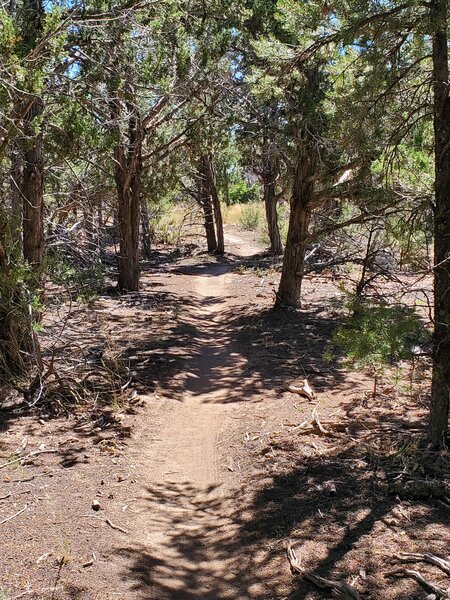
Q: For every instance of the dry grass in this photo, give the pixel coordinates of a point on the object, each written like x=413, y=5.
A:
x=232, y=214
x=181, y=223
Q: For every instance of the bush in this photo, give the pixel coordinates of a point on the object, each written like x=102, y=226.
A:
x=19, y=303
x=379, y=335
x=85, y=284
x=242, y=193
x=250, y=217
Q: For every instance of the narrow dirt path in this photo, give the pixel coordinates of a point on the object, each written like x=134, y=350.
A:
x=185, y=526
x=189, y=436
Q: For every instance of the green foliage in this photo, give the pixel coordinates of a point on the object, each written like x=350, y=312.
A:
x=8, y=35
x=379, y=335
x=242, y=193
x=19, y=302
x=3, y=594
x=84, y=284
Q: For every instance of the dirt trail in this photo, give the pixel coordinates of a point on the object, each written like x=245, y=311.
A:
x=184, y=523
x=190, y=434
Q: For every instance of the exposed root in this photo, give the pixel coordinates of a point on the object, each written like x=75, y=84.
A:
x=422, y=489
x=431, y=559
x=428, y=585
x=338, y=589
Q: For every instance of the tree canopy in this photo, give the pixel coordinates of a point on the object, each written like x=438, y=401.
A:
x=336, y=110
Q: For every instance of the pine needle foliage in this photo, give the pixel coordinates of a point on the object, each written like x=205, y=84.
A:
x=379, y=335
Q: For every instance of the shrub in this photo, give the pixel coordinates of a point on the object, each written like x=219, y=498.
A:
x=379, y=336
x=242, y=193
x=250, y=217
x=85, y=284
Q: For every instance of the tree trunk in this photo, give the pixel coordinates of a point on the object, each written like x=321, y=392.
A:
x=290, y=288
x=128, y=193
x=32, y=189
x=19, y=345
x=219, y=224
x=9, y=330
x=205, y=201
x=439, y=411
x=211, y=240
x=146, y=233
x=270, y=203
x=15, y=187
x=128, y=177
x=289, y=291
x=211, y=184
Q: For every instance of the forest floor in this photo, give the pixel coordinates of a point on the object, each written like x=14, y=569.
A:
x=211, y=465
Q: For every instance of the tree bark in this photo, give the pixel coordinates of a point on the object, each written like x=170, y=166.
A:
x=128, y=205
x=19, y=345
x=439, y=410
x=128, y=178
x=9, y=330
x=15, y=187
x=205, y=201
x=289, y=291
x=212, y=190
x=146, y=233
x=211, y=240
x=269, y=173
x=32, y=189
x=270, y=203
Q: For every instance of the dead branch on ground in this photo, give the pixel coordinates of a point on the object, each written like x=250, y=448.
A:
x=117, y=527
x=318, y=426
x=429, y=585
x=304, y=389
x=422, y=489
x=22, y=459
x=426, y=557
x=338, y=589
x=19, y=512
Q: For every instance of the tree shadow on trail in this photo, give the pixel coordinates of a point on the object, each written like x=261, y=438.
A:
x=214, y=347
x=218, y=544
x=233, y=354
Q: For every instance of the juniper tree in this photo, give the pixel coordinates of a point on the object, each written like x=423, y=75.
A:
x=402, y=50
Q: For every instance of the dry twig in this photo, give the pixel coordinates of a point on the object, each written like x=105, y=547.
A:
x=14, y=515
x=440, y=592
x=422, y=489
x=316, y=425
x=21, y=459
x=303, y=390
x=116, y=526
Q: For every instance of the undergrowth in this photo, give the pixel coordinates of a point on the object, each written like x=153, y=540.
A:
x=378, y=336
x=84, y=284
